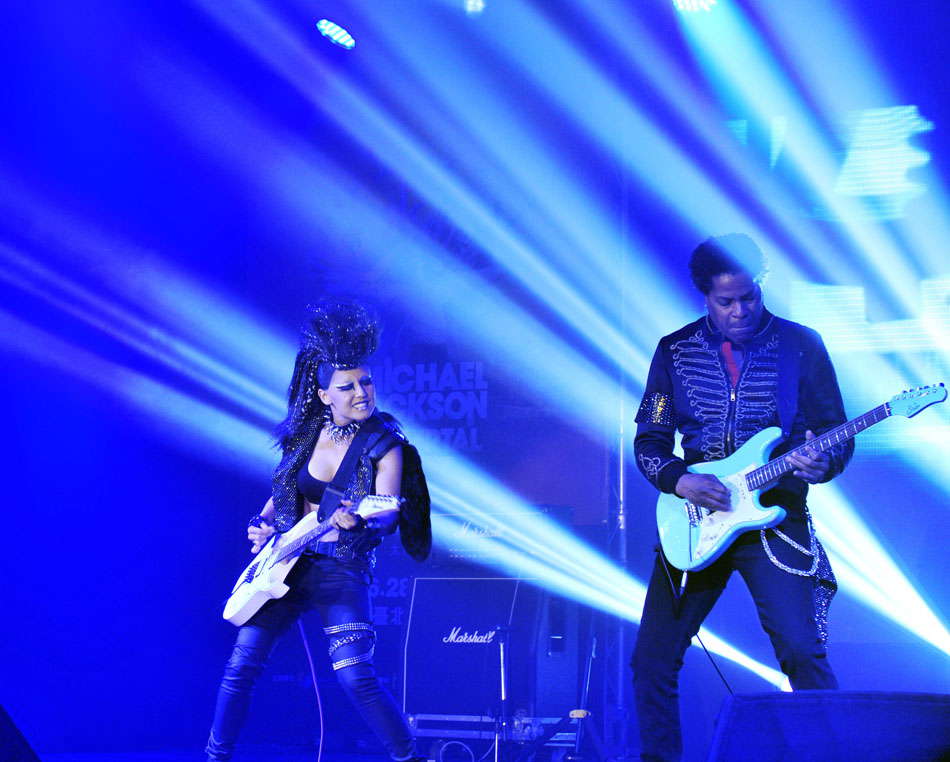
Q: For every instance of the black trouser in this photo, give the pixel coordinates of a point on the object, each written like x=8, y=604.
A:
x=339, y=592
x=786, y=608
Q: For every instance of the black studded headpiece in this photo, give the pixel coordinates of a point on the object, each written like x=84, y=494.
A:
x=340, y=334
x=337, y=335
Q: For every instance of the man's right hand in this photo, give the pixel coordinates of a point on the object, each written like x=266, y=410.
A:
x=705, y=490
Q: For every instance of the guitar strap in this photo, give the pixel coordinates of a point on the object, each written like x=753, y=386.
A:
x=789, y=366
x=367, y=436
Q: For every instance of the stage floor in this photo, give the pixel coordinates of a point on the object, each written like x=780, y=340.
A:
x=250, y=754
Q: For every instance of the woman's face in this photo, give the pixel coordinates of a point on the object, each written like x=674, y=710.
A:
x=350, y=395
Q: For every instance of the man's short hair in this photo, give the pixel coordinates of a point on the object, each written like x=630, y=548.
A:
x=732, y=253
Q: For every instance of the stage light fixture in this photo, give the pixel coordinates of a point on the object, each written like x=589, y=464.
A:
x=474, y=7
x=336, y=34
x=691, y=6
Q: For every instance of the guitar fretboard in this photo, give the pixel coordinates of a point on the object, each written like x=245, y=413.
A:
x=772, y=470
x=301, y=542
x=370, y=505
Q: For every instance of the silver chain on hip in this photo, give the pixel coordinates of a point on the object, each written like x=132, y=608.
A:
x=813, y=551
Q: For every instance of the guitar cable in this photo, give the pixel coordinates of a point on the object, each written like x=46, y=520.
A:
x=678, y=595
x=316, y=688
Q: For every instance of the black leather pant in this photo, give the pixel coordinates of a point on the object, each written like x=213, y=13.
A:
x=786, y=608
x=339, y=592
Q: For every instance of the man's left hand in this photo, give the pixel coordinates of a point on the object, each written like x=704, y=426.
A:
x=810, y=464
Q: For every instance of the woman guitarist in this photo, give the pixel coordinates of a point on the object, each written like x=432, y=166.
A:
x=331, y=408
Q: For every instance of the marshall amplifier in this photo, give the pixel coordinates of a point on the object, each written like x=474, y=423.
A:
x=453, y=651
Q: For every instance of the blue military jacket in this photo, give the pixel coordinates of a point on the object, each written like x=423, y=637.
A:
x=786, y=380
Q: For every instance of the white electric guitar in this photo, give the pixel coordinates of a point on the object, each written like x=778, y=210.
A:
x=694, y=536
x=263, y=579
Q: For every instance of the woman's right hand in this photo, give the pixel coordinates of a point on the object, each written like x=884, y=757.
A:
x=259, y=535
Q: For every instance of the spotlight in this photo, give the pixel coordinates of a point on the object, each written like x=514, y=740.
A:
x=474, y=7
x=336, y=34
x=690, y=6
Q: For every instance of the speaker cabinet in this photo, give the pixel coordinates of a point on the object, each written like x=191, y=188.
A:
x=820, y=726
x=453, y=649
x=13, y=746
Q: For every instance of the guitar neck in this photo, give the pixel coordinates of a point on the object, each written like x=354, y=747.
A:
x=301, y=542
x=772, y=470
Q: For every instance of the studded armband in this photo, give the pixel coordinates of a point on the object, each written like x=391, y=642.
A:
x=656, y=408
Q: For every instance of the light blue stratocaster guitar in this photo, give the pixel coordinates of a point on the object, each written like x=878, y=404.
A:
x=693, y=536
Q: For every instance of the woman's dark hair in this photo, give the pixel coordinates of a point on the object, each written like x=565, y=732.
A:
x=732, y=253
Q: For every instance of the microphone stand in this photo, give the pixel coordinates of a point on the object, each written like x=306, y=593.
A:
x=501, y=724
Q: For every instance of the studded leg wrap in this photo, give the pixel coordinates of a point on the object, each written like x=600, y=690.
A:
x=351, y=632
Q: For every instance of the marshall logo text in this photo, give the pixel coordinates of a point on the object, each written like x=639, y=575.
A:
x=457, y=636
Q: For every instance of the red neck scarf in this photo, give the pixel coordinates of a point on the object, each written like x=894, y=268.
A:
x=731, y=365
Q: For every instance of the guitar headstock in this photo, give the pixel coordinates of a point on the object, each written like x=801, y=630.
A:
x=372, y=505
x=912, y=401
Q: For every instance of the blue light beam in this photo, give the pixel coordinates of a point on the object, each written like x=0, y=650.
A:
x=197, y=427
x=30, y=277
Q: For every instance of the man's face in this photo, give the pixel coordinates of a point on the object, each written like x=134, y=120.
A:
x=735, y=306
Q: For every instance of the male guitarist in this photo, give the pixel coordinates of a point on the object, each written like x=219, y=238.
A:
x=719, y=381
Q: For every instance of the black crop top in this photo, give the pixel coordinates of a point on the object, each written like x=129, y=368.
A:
x=310, y=487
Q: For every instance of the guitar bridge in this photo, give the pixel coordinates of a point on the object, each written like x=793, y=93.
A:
x=695, y=513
